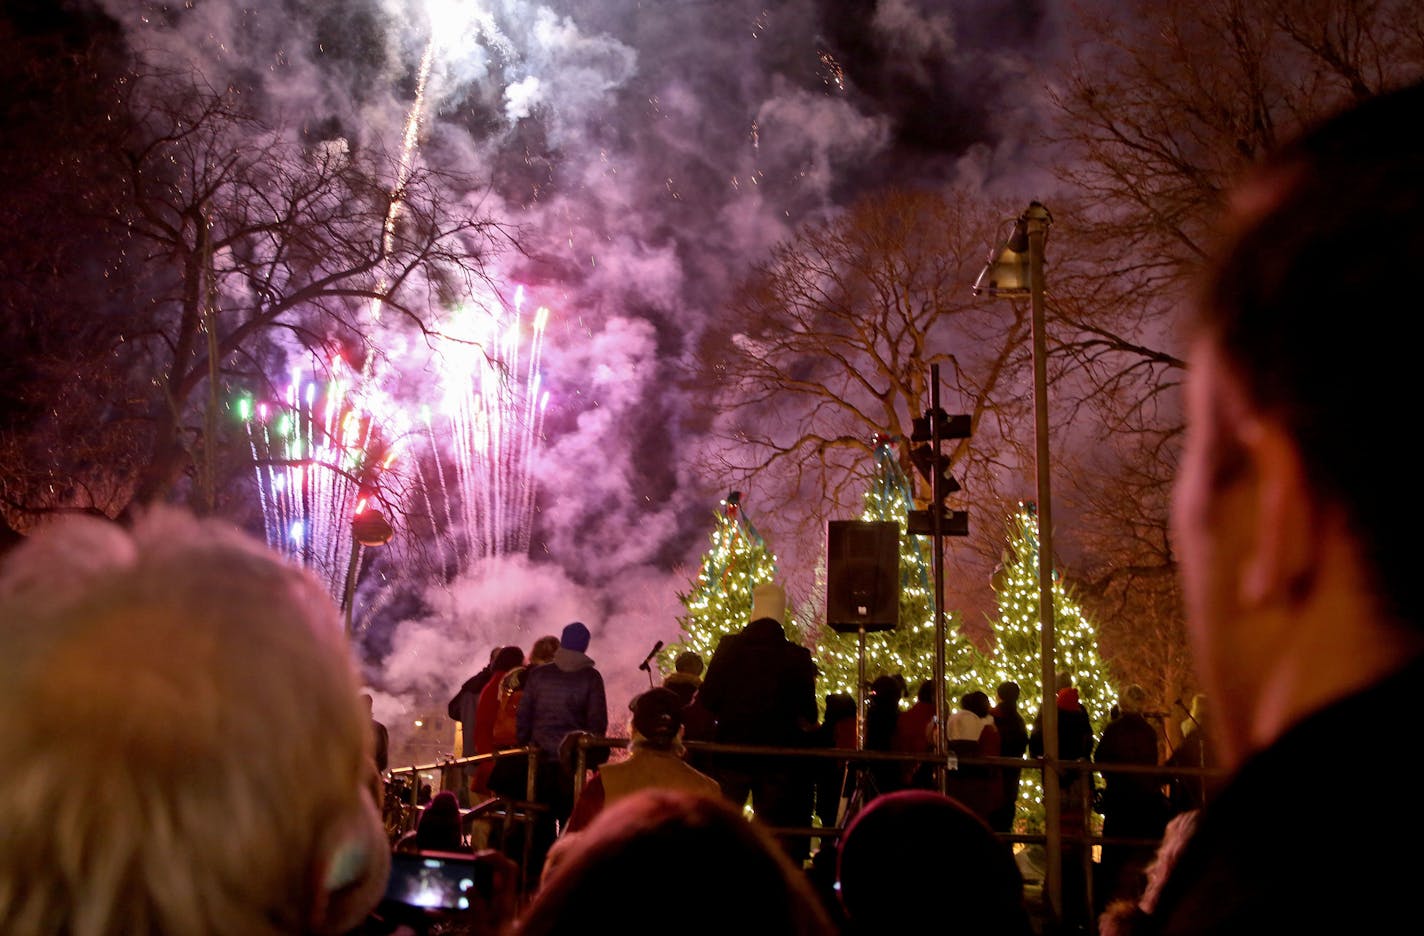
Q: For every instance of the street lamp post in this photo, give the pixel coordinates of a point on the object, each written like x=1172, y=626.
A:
x=370, y=529
x=1016, y=269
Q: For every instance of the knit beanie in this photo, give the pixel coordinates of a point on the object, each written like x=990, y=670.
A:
x=574, y=637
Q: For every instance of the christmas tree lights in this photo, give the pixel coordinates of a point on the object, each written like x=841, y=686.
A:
x=1018, y=650
x=720, y=601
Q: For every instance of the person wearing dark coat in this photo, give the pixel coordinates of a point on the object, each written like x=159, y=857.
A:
x=465, y=704
x=439, y=825
x=1013, y=742
x=761, y=688
x=505, y=661
x=1075, y=742
x=560, y=698
x=882, y=720
x=1133, y=805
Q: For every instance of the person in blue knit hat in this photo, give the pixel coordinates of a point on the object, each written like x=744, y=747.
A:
x=563, y=697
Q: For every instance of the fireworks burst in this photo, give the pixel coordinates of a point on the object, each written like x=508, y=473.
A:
x=319, y=455
x=491, y=422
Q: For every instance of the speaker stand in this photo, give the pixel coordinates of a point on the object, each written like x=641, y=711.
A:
x=853, y=793
x=860, y=694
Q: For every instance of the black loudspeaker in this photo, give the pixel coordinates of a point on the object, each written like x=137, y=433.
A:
x=862, y=575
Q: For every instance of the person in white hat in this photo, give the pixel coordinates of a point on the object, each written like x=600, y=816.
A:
x=761, y=688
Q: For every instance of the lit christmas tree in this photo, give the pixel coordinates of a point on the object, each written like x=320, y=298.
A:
x=909, y=649
x=1017, y=650
x=720, y=601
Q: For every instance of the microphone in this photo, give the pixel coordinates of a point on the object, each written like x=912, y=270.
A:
x=649, y=658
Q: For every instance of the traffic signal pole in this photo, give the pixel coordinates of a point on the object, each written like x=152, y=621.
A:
x=937, y=554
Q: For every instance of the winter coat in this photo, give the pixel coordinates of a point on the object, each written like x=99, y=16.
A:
x=1270, y=855
x=559, y=697
x=1013, y=732
x=464, y=708
x=1131, y=739
x=760, y=687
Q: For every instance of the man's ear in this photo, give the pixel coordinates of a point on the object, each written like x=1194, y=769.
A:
x=352, y=865
x=1286, y=520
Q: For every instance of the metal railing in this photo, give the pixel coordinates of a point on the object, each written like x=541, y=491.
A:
x=1083, y=842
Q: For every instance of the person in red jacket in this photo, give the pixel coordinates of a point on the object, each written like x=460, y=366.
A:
x=507, y=659
x=914, y=735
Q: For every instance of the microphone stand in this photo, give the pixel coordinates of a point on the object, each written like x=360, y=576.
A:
x=647, y=660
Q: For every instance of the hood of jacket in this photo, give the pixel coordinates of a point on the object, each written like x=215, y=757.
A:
x=570, y=660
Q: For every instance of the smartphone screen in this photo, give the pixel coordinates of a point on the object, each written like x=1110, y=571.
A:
x=432, y=880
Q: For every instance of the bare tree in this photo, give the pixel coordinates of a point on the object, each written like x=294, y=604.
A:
x=249, y=241
x=1164, y=107
x=831, y=344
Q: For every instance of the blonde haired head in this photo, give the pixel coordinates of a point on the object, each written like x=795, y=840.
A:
x=183, y=743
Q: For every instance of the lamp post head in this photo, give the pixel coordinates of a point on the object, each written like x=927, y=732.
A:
x=1006, y=275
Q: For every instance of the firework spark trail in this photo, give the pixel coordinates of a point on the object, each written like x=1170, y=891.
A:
x=495, y=405
x=410, y=140
x=440, y=479
x=537, y=404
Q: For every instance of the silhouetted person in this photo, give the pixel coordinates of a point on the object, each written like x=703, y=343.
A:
x=1132, y=804
x=672, y=860
x=438, y=828
x=505, y=661
x=1013, y=742
x=882, y=718
x=1075, y=742
x=837, y=730
x=381, y=738
x=463, y=708
x=919, y=862
x=561, y=697
x=914, y=734
x=1188, y=791
x=1297, y=546
x=761, y=688
x=465, y=704
x=687, y=672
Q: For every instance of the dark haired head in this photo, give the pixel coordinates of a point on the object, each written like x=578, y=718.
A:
x=976, y=702
x=657, y=716
x=917, y=861
x=839, y=705
x=1306, y=303
x=508, y=658
x=693, y=863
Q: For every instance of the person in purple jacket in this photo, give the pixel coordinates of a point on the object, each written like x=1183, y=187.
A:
x=561, y=697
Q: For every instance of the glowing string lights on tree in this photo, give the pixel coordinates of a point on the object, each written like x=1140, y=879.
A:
x=720, y=601
x=1017, y=646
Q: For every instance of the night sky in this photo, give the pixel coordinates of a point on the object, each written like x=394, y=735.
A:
x=648, y=154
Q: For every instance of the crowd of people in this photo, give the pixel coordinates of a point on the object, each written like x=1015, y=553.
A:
x=185, y=747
